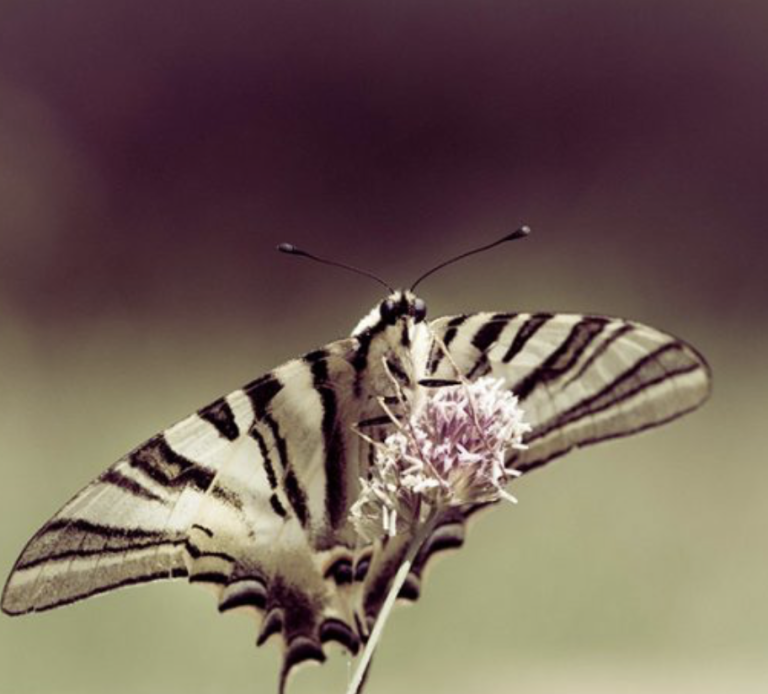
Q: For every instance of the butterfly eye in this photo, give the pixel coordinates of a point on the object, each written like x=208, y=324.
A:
x=389, y=311
x=419, y=310
x=341, y=571
x=361, y=568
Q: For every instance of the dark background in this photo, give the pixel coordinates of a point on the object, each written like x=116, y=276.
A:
x=152, y=155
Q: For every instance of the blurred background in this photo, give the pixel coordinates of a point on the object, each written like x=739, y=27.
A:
x=153, y=154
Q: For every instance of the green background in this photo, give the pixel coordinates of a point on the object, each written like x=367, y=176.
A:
x=151, y=156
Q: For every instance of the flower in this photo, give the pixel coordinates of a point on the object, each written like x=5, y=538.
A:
x=449, y=451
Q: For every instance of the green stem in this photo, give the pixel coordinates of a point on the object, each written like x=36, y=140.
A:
x=397, y=583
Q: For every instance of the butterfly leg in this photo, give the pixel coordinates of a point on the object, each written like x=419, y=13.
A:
x=374, y=422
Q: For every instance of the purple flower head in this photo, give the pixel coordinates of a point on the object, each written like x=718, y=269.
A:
x=449, y=451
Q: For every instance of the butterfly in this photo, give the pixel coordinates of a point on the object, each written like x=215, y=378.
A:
x=252, y=493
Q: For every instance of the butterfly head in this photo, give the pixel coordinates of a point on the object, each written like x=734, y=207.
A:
x=391, y=338
x=398, y=312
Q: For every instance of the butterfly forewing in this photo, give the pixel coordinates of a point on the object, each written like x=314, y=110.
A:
x=126, y=527
x=580, y=379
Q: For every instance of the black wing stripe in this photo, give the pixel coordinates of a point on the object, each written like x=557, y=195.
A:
x=448, y=534
x=296, y=496
x=336, y=630
x=173, y=572
x=600, y=350
x=227, y=495
x=261, y=392
x=116, y=478
x=293, y=491
x=217, y=578
x=220, y=415
x=196, y=553
x=539, y=462
x=277, y=507
x=489, y=332
x=334, y=453
x=359, y=359
x=359, y=362
x=66, y=535
x=203, y=529
x=107, y=531
x=80, y=553
x=250, y=592
x=660, y=365
x=484, y=338
x=453, y=326
x=562, y=359
x=166, y=467
x=268, y=467
x=526, y=332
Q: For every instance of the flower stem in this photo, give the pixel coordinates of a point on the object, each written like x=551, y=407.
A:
x=422, y=534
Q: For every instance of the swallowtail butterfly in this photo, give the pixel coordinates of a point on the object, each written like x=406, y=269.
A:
x=252, y=493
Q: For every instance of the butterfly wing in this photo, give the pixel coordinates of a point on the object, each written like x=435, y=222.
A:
x=580, y=380
x=249, y=495
x=128, y=526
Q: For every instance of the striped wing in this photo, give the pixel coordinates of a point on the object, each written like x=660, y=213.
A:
x=580, y=379
x=250, y=495
x=128, y=526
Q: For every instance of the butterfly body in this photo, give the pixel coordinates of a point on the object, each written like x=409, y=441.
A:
x=251, y=494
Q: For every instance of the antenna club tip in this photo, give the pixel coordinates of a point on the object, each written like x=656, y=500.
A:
x=524, y=230
x=519, y=233
x=286, y=248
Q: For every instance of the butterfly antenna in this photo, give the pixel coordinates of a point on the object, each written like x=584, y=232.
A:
x=290, y=249
x=520, y=233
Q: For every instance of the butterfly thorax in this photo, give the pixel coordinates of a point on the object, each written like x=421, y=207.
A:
x=393, y=340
